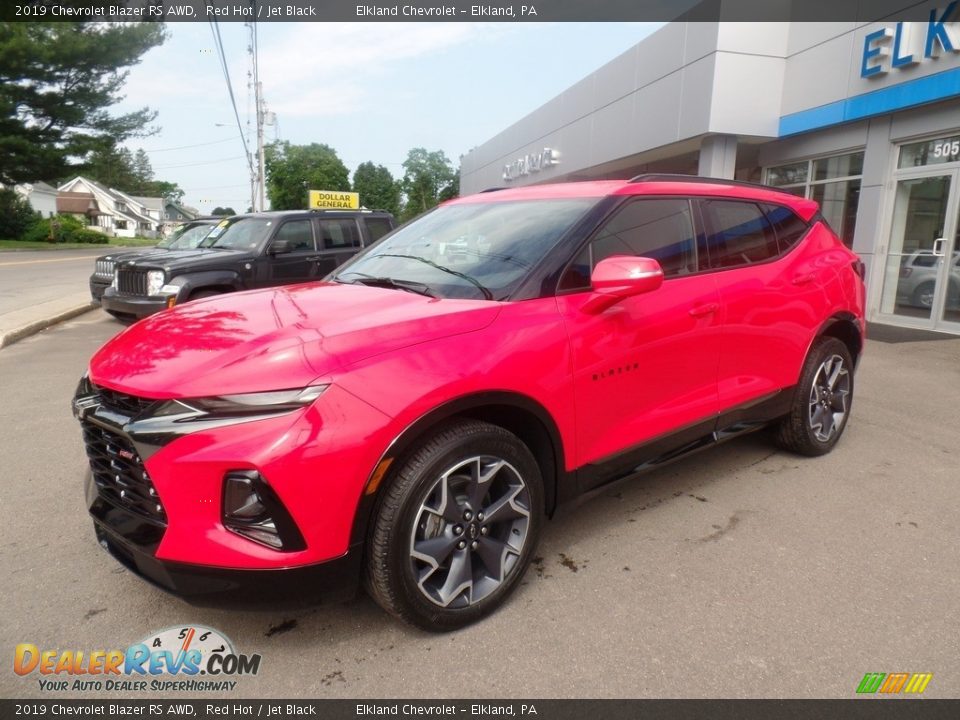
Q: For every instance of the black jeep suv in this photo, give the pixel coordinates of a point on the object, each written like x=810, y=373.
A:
x=186, y=237
x=244, y=252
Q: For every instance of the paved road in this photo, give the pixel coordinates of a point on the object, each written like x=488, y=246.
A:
x=742, y=572
x=31, y=278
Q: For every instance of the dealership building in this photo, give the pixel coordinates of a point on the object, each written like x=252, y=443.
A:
x=863, y=118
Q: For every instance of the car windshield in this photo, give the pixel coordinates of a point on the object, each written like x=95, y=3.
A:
x=241, y=234
x=187, y=239
x=473, y=250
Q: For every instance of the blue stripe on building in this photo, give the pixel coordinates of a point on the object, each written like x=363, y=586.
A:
x=919, y=91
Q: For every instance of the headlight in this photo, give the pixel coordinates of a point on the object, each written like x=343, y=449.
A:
x=246, y=404
x=155, y=279
x=116, y=282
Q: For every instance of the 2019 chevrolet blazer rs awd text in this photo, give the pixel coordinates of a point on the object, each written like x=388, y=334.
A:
x=412, y=419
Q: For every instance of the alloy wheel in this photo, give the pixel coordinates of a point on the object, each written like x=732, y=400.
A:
x=470, y=531
x=828, y=398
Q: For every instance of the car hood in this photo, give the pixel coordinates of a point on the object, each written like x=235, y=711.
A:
x=130, y=254
x=174, y=260
x=275, y=339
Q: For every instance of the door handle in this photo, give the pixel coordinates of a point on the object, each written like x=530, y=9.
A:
x=803, y=278
x=702, y=310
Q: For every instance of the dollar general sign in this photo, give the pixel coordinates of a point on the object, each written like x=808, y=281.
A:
x=334, y=200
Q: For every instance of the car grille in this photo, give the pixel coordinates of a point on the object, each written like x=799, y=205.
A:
x=104, y=268
x=119, y=474
x=132, y=282
x=122, y=403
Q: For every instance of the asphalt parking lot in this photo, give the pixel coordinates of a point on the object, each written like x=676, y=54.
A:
x=741, y=572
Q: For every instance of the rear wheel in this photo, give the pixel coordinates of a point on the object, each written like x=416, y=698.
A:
x=821, y=406
x=923, y=295
x=456, y=528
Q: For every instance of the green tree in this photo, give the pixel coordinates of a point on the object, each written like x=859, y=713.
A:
x=292, y=170
x=378, y=190
x=57, y=83
x=142, y=170
x=429, y=178
x=112, y=167
x=16, y=215
x=223, y=211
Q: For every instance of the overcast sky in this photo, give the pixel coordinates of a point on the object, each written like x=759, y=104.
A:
x=371, y=91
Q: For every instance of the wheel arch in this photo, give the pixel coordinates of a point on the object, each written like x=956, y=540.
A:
x=846, y=328
x=517, y=413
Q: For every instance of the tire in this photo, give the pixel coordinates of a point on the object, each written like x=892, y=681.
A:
x=809, y=429
x=923, y=295
x=444, y=550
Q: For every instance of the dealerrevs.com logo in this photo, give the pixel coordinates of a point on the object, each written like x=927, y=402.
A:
x=187, y=658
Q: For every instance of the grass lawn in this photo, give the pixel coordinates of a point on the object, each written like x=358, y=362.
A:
x=113, y=242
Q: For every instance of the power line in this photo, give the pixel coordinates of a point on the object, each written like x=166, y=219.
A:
x=185, y=147
x=215, y=30
x=206, y=162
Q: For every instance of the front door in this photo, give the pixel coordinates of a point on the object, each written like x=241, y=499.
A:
x=645, y=370
x=921, y=278
x=299, y=263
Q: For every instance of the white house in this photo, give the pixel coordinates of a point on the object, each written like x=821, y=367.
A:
x=42, y=197
x=120, y=215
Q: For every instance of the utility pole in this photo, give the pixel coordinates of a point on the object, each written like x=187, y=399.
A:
x=259, y=108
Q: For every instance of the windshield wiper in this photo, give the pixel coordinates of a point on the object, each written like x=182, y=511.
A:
x=473, y=281
x=388, y=282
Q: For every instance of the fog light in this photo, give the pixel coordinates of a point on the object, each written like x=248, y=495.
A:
x=253, y=510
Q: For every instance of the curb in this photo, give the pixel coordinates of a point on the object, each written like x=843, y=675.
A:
x=36, y=326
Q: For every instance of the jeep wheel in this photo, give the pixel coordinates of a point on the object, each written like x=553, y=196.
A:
x=822, y=401
x=456, y=528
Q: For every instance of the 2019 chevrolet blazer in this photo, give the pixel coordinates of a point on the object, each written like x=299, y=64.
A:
x=412, y=419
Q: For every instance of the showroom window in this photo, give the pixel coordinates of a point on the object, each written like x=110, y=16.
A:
x=834, y=182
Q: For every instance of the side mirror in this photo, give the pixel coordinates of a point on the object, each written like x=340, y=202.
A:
x=619, y=277
x=280, y=246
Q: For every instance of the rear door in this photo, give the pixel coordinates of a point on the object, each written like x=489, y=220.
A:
x=645, y=370
x=338, y=239
x=774, y=296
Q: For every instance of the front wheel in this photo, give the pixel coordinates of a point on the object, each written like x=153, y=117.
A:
x=456, y=528
x=821, y=405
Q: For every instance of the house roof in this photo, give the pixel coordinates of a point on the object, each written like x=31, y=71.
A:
x=154, y=203
x=77, y=203
x=183, y=210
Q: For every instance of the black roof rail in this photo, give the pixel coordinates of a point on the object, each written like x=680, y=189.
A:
x=677, y=177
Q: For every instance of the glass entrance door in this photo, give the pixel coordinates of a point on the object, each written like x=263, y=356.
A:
x=921, y=283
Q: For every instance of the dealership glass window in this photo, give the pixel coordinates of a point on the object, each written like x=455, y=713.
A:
x=834, y=182
x=931, y=152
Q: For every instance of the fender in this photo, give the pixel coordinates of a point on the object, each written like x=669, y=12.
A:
x=556, y=489
x=188, y=282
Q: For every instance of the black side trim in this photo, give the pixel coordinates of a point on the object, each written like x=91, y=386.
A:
x=665, y=449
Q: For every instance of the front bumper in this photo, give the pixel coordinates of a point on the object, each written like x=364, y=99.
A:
x=132, y=305
x=184, y=546
x=199, y=584
x=98, y=287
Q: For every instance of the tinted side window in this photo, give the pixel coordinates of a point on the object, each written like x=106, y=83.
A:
x=299, y=234
x=788, y=227
x=738, y=233
x=378, y=227
x=339, y=234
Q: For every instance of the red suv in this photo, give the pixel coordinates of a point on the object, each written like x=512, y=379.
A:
x=414, y=418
